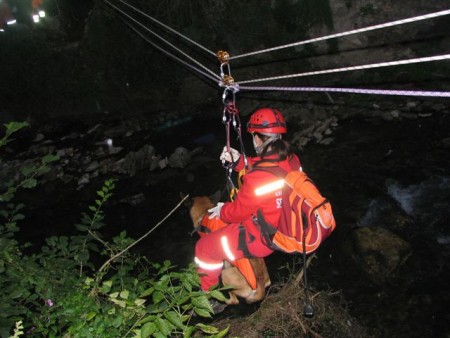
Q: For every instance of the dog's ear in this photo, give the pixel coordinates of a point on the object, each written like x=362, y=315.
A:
x=215, y=198
x=188, y=201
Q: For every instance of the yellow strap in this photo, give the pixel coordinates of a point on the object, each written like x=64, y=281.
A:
x=240, y=175
x=233, y=193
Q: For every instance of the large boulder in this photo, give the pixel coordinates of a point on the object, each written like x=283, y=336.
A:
x=378, y=252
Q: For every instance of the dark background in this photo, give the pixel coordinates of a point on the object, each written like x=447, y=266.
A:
x=83, y=66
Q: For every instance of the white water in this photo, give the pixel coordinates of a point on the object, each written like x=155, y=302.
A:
x=427, y=203
x=425, y=199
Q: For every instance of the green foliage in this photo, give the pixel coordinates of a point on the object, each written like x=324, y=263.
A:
x=28, y=175
x=57, y=292
x=11, y=128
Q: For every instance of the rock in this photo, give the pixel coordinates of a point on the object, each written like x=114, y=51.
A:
x=114, y=150
x=162, y=163
x=72, y=136
x=318, y=136
x=389, y=116
x=410, y=116
x=39, y=137
x=411, y=104
x=378, y=252
x=133, y=200
x=83, y=180
x=93, y=166
x=438, y=107
x=180, y=158
x=94, y=128
x=327, y=141
x=136, y=161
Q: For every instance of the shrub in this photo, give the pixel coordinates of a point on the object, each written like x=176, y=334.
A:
x=58, y=292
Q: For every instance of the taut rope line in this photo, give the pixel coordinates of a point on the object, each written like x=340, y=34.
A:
x=173, y=56
x=225, y=80
x=352, y=90
x=162, y=39
x=345, y=69
x=355, y=31
x=169, y=28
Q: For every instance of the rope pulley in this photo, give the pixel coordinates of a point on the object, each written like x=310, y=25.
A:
x=223, y=56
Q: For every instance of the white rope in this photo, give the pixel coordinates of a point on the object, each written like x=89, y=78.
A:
x=212, y=76
x=173, y=56
x=355, y=31
x=345, y=69
x=164, y=40
x=352, y=90
x=169, y=28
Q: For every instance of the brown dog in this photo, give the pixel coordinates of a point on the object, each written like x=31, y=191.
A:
x=231, y=276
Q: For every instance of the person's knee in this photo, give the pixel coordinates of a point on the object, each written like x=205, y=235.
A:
x=200, y=247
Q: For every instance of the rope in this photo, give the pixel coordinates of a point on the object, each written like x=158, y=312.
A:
x=353, y=90
x=168, y=28
x=162, y=39
x=344, y=69
x=173, y=56
x=355, y=31
x=234, y=87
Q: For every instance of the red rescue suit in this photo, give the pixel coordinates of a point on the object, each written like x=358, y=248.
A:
x=224, y=244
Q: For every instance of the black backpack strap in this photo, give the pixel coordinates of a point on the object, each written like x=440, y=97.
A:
x=242, y=241
x=267, y=230
x=274, y=170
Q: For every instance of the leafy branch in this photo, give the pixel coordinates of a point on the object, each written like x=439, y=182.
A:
x=141, y=238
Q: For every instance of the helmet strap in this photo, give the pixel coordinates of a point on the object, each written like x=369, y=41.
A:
x=260, y=148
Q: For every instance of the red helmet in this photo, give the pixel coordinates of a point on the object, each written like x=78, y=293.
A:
x=267, y=120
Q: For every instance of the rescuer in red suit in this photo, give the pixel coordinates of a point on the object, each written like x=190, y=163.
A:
x=241, y=237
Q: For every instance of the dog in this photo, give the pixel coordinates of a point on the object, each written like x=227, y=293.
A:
x=231, y=275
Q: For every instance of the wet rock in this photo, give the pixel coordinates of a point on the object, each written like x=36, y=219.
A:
x=136, y=161
x=378, y=252
x=409, y=116
x=180, y=158
x=39, y=137
x=387, y=211
x=159, y=163
x=411, y=104
x=327, y=141
x=133, y=200
x=392, y=115
x=84, y=179
x=316, y=132
x=93, y=166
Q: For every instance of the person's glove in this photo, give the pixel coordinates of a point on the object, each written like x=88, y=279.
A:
x=215, y=212
x=231, y=156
